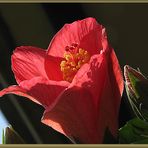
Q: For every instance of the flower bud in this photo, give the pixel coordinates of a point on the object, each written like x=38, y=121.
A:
x=137, y=90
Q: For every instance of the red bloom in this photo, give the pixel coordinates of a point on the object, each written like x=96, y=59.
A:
x=78, y=81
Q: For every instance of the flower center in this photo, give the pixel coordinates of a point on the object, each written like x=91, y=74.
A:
x=75, y=57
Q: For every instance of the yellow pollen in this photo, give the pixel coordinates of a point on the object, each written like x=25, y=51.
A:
x=74, y=58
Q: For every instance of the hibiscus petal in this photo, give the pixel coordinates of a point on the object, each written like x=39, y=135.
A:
x=74, y=116
x=104, y=40
x=87, y=33
x=101, y=78
x=15, y=89
x=85, y=113
x=115, y=77
x=109, y=103
x=38, y=89
x=53, y=69
x=28, y=62
x=91, y=76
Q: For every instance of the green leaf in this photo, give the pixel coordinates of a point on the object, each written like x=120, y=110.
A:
x=10, y=136
x=145, y=141
x=135, y=131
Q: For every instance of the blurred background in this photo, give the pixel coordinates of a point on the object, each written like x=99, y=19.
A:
x=36, y=24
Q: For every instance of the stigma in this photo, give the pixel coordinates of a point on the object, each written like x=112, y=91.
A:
x=74, y=58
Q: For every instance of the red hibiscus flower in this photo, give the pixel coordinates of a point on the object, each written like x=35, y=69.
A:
x=77, y=80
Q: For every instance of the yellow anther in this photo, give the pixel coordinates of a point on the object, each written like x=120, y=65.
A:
x=83, y=61
x=62, y=69
x=66, y=69
x=67, y=56
x=81, y=51
x=74, y=69
x=77, y=55
x=73, y=61
x=77, y=67
x=79, y=63
x=85, y=53
x=63, y=63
